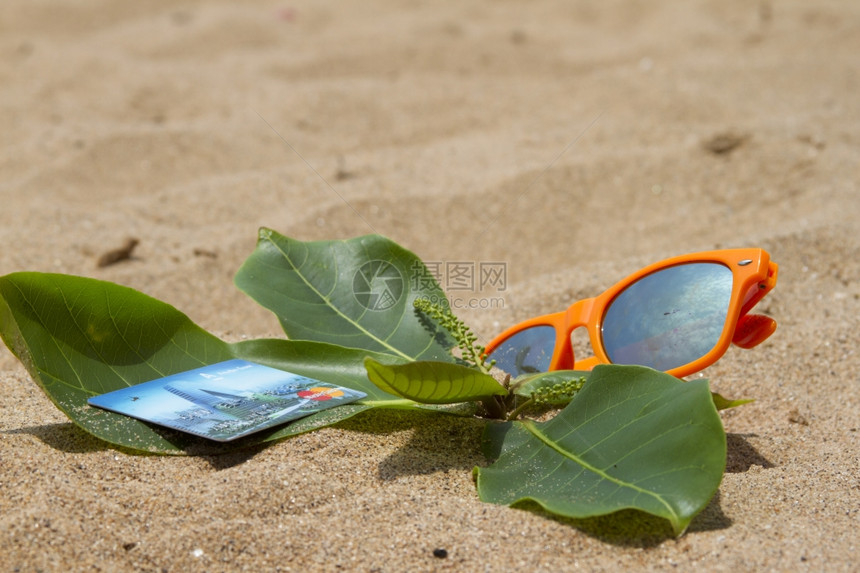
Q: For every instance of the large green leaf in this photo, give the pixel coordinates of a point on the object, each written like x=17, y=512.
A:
x=81, y=337
x=431, y=382
x=631, y=438
x=357, y=293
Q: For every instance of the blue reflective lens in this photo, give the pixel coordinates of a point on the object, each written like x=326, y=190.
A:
x=669, y=318
x=526, y=352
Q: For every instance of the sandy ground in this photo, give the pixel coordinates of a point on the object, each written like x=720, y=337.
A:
x=572, y=141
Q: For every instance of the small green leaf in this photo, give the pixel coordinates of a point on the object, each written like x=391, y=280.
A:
x=357, y=293
x=724, y=403
x=434, y=382
x=632, y=438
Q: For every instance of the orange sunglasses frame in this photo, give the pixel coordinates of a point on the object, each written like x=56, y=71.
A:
x=754, y=275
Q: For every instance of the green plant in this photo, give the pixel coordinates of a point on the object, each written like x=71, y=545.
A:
x=623, y=436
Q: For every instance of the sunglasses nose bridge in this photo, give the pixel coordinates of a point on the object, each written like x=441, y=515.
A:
x=583, y=314
x=579, y=313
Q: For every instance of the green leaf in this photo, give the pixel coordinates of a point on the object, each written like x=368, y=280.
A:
x=433, y=382
x=357, y=293
x=632, y=438
x=723, y=403
x=80, y=337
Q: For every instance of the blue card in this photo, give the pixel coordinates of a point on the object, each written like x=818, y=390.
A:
x=227, y=400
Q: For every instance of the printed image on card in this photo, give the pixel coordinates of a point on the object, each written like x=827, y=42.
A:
x=227, y=400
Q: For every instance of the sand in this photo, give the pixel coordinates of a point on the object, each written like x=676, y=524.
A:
x=572, y=142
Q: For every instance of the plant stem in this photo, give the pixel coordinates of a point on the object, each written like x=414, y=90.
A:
x=494, y=407
x=519, y=409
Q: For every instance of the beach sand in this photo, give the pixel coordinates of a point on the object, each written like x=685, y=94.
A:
x=573, y=143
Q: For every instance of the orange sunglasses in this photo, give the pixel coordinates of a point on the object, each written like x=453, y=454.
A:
x=678, y=315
